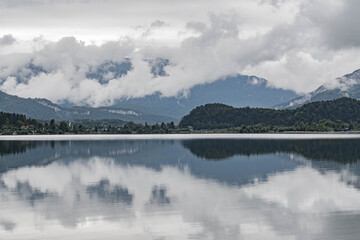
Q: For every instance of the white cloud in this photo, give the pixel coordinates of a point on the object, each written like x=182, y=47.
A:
x=293, y=44
x=7, y=40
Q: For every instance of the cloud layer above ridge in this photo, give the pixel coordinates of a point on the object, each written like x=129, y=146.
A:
x=295, y=45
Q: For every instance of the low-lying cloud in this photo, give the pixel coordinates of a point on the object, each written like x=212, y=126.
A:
x=299, y=54
x=7, y=40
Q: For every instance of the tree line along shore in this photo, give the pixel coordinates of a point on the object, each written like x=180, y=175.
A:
x=341, y=114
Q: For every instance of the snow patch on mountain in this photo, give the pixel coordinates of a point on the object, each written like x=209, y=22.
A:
x=122, y=112
x=44, y=103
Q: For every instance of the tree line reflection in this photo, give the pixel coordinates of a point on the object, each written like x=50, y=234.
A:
x=345, y=151
x=15, y=154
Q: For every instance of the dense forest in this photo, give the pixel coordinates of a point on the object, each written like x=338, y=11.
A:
x=11, y=124
x=336, y=115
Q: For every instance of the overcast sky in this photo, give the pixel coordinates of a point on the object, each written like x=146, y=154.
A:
x=294, y=44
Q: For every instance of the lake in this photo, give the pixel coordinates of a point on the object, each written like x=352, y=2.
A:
x=180, y=187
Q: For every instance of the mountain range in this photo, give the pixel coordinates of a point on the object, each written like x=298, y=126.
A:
x=39, y=108
x=237, y=91
x=240, y=90
x=346, y=86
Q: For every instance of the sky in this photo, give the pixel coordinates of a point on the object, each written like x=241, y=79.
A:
x=294, y=44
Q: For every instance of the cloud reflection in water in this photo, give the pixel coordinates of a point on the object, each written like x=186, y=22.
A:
x=86, y=199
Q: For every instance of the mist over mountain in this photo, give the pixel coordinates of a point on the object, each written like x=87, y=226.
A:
x=238, y=91
x=346, y=86
x=44, y=109
x=106, y=71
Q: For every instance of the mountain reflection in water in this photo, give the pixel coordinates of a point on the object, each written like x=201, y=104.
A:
x=160, y=189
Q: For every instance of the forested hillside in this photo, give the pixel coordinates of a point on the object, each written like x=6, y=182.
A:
x=340, y=113
x=18, y=124
x=42, y=109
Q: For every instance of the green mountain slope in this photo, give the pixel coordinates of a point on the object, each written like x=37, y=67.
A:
x=46, y=110
x=217, y=116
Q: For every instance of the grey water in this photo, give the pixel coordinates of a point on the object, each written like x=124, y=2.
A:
x=180, y=189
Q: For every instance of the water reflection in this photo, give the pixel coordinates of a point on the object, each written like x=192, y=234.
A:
x=345, y=151
x=110, y=194
x=15, y=147
x=161, y=190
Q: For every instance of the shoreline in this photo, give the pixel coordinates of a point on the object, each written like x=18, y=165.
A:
x=250, y=136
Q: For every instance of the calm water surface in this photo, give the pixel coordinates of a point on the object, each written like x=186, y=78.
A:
x=180, y=189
